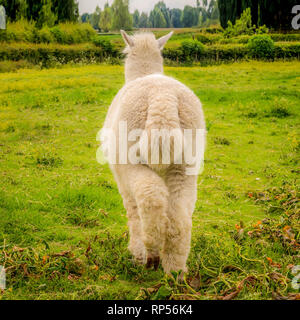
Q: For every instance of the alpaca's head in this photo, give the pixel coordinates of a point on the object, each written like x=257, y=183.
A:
x=143, y=54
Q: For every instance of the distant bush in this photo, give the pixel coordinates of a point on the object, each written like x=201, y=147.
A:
x=64, y=33
x=245, y=38
x=106, y=45
x=262, y=30
x=243, y=26
x=261, y=46
x=192, y=50
x=21, y=30
x=48, y=55
x=240, y=39
x=44, y=35
x=208, y=54
x=287, y=50
x=219, y=53
x=71, y=33
x=212, y=30
x=203, y=39
x=285, y=37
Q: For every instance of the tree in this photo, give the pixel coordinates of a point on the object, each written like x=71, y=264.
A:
x=95, y=18
x=46, y=16
x=175, y=18
x=15, y=9
x=204, y=3
x=22, y=10
x=85, y=18
x=165, y=11
x=121, y=16
x=157, y=19
x=228, y=11
x=34, y=8
x=136, y=18
x=143, y=22
x=213, y=10
x=66, y=10
x=42, y=11
x=274, y=14
x=106, y=18
x=189, y=17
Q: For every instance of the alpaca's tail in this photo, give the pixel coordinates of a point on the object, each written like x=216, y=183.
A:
x=162, y=141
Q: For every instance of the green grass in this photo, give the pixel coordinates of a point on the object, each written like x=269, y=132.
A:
x=63, y=232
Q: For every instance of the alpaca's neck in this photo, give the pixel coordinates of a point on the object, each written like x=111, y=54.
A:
x=141, y=68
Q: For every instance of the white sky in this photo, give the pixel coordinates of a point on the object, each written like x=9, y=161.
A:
x=142, y=5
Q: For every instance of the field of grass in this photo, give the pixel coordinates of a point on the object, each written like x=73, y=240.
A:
x=63, y=232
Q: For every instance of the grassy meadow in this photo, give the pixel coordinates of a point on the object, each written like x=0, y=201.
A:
x=63, y=232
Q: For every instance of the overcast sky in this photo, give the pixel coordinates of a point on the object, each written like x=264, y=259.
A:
x=142, y=5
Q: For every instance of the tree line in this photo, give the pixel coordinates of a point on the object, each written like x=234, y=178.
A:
x=43, y=12
x=275, y=14
x=117, y=16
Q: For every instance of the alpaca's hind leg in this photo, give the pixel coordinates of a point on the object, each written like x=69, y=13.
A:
x=151, y=196
x=182, y=198
x=136, y=245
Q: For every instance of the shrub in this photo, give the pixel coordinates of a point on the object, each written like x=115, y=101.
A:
x=64, y=33
x=202, y=38
x=262, y=30
x=54, y=54
x=44, y=35
x=285, y=37
x=58, y=35
x=242, y=25
x=102, y=43
x=230, y=52
x=192, y=50
x=75, y=33
x=240, y=39
x=105, y=45
x=212, y=30
x=21, y=30
x=261, y=46
x=287, y=50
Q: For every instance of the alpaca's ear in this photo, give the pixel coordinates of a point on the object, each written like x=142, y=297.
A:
x=163, y=40
x=127, y=39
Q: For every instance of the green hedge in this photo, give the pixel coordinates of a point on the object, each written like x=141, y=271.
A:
x=287, y=50
x=230, y=52
x=289, y=37
x=243, y=39
x=49, y=55
x=53, y=54
x=64, y=33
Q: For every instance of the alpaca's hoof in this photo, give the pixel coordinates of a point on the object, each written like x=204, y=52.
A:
x=152, y=261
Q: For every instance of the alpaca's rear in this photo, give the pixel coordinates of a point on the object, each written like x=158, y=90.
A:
x=163, y=135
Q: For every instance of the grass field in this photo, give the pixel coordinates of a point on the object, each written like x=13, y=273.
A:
x=63, y=232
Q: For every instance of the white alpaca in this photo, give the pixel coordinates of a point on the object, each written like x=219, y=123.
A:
x=159, y=199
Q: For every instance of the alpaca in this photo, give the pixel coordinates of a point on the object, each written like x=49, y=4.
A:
x=159, y=198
